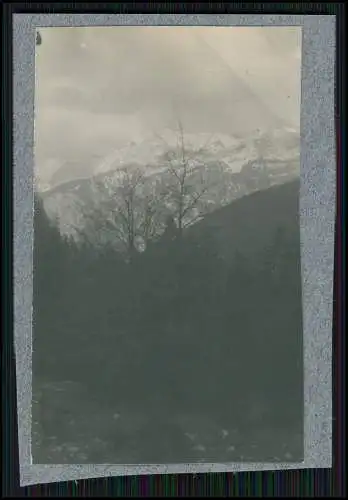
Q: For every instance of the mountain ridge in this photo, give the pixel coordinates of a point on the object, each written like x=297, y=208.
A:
x=149, y=151
x=225, y=167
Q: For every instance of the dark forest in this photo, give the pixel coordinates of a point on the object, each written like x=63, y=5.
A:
x=188, y=351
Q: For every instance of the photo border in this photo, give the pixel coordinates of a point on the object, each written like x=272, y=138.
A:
x=317, y=216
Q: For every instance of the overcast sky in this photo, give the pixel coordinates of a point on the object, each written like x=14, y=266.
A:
x=97, y=88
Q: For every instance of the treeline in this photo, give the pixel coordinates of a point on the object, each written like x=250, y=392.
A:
x=208, y=321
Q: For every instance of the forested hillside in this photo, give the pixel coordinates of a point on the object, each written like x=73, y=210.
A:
x=157, y=355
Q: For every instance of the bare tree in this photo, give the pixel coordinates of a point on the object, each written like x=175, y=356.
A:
x=186, y=186
x=148, y=227
x=132, y=209
x=124, y=208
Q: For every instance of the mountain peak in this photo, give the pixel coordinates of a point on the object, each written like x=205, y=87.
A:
x=151, y=154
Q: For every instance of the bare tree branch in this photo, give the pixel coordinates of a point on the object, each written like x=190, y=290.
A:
x=188, y=155
x=201, y=149
x=173, y=171
x=123, y=210
x=195, y=219
x=130, y=208
x=195, y=200
x=184, y=201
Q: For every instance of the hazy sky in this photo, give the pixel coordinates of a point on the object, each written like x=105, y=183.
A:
x=97, y=88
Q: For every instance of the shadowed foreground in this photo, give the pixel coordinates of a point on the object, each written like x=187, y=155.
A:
x=192, y=351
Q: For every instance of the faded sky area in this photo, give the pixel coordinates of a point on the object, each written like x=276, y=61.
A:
x=97, y=88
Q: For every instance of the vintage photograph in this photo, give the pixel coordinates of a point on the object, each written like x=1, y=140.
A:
x=167, y=302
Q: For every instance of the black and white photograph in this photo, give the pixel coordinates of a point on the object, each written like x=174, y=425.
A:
x=167, y=298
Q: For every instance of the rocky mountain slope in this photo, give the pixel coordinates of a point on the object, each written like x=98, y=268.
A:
x=224, y=167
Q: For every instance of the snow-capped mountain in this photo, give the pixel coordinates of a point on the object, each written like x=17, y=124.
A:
x=279, y=143
x=150, y=152
x=224, y=167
